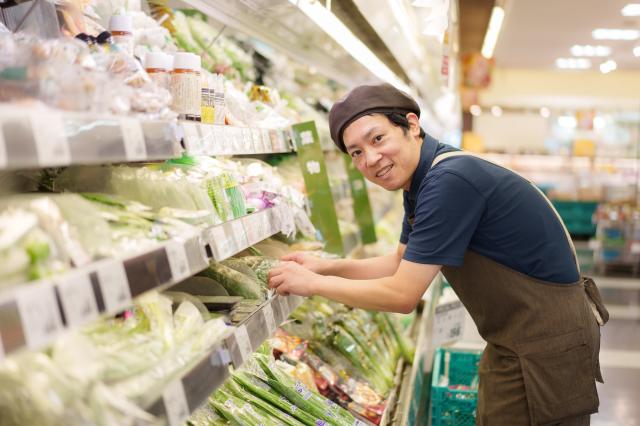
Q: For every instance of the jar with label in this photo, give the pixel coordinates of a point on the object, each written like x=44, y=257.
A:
x=181, y=80
x=155, y=63
x=218, y=100
x=121, y=29
x=195, y=89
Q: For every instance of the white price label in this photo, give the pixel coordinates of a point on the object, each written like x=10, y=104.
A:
x=3, y=151
x=39, y=314
x=192, y=138
x=51, y=139
x=282, y=140
x=175, y=403
x=114, y=286
x=239, y=235
x=78, y=300
x=178, y=261
x=222, y=243
x=635, y=247
x=266, y=140
x=133, y=139
x=269, y=318
x=266, y=225
x=243, y=342
x=253, y=226
x=449, y=322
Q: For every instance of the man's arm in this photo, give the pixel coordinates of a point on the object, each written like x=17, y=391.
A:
x=399, y=292
x=361, y=269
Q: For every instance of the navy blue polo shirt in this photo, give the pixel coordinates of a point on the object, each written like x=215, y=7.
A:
x=466, y=203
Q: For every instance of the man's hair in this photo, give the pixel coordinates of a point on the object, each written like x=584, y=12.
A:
x=400, y=120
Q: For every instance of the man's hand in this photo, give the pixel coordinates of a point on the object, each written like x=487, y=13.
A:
x=293, y=278
x=312, y=263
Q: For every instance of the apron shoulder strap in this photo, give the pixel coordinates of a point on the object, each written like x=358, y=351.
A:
x=450, y=154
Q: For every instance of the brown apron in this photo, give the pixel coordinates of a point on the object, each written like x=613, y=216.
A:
x=543, y=340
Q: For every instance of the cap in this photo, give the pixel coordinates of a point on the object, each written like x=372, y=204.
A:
x=367, y=99
x=155, y=60
x=182, y=60
x=121, y=23
x=168, y=62
x=196, y=62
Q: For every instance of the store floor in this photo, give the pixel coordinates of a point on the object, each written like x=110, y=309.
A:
x=619, y=354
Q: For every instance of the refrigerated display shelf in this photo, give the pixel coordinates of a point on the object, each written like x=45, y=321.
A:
x=33, y=138
x=33, y=315
x=185, y=395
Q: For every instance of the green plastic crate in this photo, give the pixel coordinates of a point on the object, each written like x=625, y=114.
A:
x=454, y=407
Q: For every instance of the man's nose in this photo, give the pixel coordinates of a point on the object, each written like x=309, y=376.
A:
x=372, y=156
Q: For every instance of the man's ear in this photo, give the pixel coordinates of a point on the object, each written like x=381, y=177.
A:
x=414, y=124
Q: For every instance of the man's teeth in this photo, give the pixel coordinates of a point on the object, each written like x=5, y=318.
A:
x=383, y=171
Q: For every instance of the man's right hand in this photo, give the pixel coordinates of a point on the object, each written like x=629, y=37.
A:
x=309, y=261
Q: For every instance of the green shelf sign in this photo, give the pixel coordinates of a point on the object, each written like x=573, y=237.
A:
x=316, y=180
x=361, y=204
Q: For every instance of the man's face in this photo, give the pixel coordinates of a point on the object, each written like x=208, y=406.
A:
x=382, y=151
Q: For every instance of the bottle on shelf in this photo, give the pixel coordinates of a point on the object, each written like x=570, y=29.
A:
x=121, y=29
x=157, y=65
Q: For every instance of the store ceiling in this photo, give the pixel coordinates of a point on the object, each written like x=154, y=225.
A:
x=537, y=32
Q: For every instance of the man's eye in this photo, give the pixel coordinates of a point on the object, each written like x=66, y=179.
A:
x=355, y=154
x=378, y=138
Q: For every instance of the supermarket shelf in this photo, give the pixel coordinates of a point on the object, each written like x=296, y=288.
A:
x=43, y=137
x=35, y=314
x=389, y=413
x=185, y=395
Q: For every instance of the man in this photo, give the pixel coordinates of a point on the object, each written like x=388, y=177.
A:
x=497, y=240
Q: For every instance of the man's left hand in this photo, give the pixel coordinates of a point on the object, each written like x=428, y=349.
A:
x=293, y=278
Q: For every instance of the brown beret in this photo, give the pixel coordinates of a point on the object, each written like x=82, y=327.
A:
x=364, y=100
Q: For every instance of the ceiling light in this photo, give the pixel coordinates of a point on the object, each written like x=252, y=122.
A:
x=636, y=51
x=573, y=63
x=607, y=67
x=475, y=110
x=599, y=123
x=567, y=121
x=615, y=34
x=326, y=20
x=493, y=31
x=579, y=50
x=632, y=9
x=496, y=111
x=544, y=111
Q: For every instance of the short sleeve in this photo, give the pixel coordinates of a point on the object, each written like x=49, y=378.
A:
x=448, y=210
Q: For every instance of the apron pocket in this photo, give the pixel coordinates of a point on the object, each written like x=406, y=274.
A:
x=558, y=377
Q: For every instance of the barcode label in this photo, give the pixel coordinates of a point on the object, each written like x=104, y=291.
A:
x=78, y=300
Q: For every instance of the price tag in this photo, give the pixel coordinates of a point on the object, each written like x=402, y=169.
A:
x=239, y=235
x=39, y=314
x=175, y=403
x=256, y=137
x=282, y=141
x=51, y=140
x=222, y=242
x=78, y=300
x=192, y=138
x=178, y=261
x=133, y=139
x=449, y=322
x=114, y=286
x=266, y=140
x=243, y=342
x=3, y=153
x=269, y=318
x=635, y=247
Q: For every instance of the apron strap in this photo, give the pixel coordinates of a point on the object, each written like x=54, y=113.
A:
x=446, y=155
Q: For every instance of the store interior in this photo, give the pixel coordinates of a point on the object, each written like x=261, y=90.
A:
x=159, y=157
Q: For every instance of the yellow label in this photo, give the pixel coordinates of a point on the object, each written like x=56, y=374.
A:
x=207, y=114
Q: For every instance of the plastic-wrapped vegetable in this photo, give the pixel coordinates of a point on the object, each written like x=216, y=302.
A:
x=236, y=283
x=234, y=388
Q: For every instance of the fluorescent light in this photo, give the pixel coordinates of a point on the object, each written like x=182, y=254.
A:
x=573, y=63
x=607, y=67
x=493, y=31
x=636, y=51
x=578, y=50
x=496, y=111
x=567, y=121
x=615, y=34
x=326, y=20
x=475, y=110
x=544, y=111
x=632, y=9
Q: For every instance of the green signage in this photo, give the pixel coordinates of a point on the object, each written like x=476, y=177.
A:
x=314, y=170
x=361, y=205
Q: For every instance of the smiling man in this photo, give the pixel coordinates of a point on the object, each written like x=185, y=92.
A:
x=497, y=240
